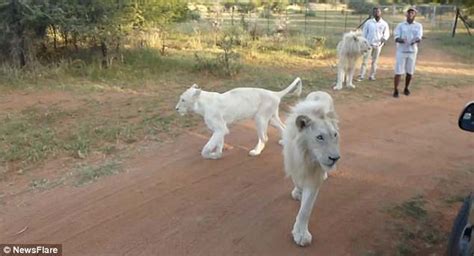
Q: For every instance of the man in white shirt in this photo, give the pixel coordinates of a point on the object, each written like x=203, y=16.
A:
x=408, y=35
x=376, y=31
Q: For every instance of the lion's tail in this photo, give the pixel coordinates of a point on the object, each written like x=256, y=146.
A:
x=295, y=88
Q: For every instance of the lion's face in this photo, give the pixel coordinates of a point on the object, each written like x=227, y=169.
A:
x=187, y=99
x=364, y=45
x=322, y=139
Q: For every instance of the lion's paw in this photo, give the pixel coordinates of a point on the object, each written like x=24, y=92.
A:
x=254, y=152
x=296, y=194
x=212, y=155
x=351, y=86
x=302, y=238
x=337, y=87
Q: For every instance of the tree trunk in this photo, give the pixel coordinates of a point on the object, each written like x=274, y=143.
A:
x=54, y=37
x=103, y=48
x=74, y=41
x=22, y=52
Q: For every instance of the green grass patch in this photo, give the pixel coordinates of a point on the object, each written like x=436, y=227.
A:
x=412, y=208
x=28, y=136
x=415, y=229
x=38, y=133
x=41, y=184
x=461, y=45
x=88, y=174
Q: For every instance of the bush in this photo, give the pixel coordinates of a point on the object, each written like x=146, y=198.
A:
x=310, y=13
x=361, y=6
x=226, y=63
x=194, y=15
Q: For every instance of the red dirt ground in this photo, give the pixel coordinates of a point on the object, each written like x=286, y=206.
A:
x=172, y=202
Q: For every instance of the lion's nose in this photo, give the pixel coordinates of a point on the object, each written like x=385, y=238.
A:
x=334, y=159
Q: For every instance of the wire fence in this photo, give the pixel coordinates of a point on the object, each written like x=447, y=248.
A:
x=330, y=20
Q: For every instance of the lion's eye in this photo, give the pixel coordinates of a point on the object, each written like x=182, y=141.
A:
x=182, y=100
x=335, y=135
x=320, y=137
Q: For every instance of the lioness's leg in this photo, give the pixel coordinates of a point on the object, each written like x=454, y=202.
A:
x=297, y=191
x=276, y=122
x=340, y=78
x=213, y=148
x=350, y=76
x=210, y=146
x=262, y=125
x=300, y=232
x=220, y=146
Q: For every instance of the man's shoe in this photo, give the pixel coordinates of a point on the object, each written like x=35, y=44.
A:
x=395, y=93
x=406, y=92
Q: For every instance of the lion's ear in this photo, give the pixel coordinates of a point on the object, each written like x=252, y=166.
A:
x=331, y=115
x=356, y=38
x=302, y=122
x=195, y=86
x=197, y=92
x=333, y=118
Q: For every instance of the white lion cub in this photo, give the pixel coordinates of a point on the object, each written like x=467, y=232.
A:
x=311, y=149
x=222, y=109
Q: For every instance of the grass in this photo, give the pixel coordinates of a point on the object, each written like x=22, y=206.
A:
x=413, y=208
x=461, y=45
x=38, y=133
x=416, y=230
x=41, y=184
x=88, y=174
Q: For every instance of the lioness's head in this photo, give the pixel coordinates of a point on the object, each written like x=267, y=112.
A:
x=187, y=99
x=356, y=42
x=364, y=44
x=320, y=136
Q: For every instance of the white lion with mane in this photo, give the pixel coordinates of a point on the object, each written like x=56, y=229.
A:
x=310, y=150
x=222, y=109
x=349, y=51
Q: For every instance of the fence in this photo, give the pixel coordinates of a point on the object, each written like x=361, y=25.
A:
x=330, y=20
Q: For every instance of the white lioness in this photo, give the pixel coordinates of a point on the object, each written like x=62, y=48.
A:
x=311, y=149
x=349, y=51
x=221, y=109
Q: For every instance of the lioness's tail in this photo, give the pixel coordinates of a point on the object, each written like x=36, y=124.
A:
x=295, y=87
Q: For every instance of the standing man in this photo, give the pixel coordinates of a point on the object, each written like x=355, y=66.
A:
x=408, y=35
x=376, y=31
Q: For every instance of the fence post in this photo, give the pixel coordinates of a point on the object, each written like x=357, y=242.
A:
x=305, y=17
x=440, y=21
x=232, y=16
x=268, y=20
x=324, y=29
x=455, y=21
x=345, y=22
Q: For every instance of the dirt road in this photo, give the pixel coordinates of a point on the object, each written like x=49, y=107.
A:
x=172, y=202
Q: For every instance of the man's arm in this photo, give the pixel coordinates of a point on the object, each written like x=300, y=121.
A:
x=419, y=35
x=386, y=32
x=398, y=35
